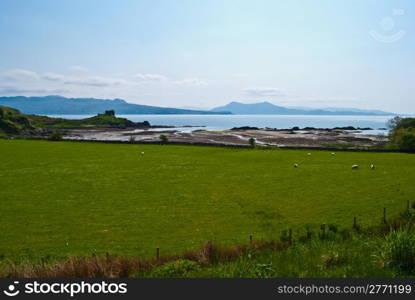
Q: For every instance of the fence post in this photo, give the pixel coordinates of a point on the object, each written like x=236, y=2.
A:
x=290, y=236
x=323, y=228
x=384, y=215
x=157, y=253
x=407, y=206
x=354, y=223
x=250, y=239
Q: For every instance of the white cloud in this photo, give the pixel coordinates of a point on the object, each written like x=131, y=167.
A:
x=150, y=77
x=96, y=81
x=11, y=90
x=142, y=87
x=78, y=69
x=161, y=78
x=191, y=81
x=264, y=92
x=53, y=76
x=21, y=75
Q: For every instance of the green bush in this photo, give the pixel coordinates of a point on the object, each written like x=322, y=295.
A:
x=407, y=142
x=263, y=270
x=56, y=136
x=401, y=123
x=132, y=139
x=163, y=138
x=252, y=142
x=402, y=135
x=9, y=127
x=398, y=251
x=178, y=268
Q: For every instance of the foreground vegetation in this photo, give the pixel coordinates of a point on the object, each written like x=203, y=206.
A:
x=384, y=250
x=379, y=251
x=402, y=134
x=68, y=199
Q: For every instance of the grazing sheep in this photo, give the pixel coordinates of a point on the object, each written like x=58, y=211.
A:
x=142, y=153
x=355, y=166
x=372, y=166
x=295, y=165
x=309, y=154
x=333, y=153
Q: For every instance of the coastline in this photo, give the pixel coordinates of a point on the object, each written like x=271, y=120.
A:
x=298, y=138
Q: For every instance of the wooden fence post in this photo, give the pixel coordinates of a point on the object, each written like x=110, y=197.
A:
x=384, y=215
x=323, y=228
x=354, y=223
x=158, y=253
x=290, y=236
x=407, y=206
x=250, y=239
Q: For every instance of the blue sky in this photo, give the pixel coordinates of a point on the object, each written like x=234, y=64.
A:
x=194, y=53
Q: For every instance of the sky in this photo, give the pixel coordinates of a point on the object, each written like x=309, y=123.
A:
x=203, y=54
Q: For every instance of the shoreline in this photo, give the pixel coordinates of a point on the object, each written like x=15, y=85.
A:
x=333, y=138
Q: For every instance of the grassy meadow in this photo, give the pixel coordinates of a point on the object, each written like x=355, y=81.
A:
x=61, y=199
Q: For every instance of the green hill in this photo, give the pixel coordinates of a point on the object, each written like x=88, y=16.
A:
x=13, y=122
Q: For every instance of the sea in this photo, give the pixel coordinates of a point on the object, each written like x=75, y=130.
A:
x=222, y=122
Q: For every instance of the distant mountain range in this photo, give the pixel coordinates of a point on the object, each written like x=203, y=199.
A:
x=57, y=105
x=266, y=108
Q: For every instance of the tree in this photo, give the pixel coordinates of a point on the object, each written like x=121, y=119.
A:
x=407, y=142
x=163, y=138
x=56, y=136
x=402, y=134
x=394, y=123
x=132, y=139
x=252, y=142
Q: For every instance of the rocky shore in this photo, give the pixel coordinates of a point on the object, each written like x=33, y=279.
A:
x=345, y=137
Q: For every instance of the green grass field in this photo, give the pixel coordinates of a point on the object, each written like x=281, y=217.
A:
x=61, y=199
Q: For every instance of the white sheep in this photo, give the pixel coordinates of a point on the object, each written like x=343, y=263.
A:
x=295, y=165
x=355, y=166
x=309, y=154
x=142, y=153
x=372, y=166
x=333, y=153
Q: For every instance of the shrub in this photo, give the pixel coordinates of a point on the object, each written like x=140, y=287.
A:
x=178, y=268
x=132, y=139
x=394, y=123
x=8, y=126
x=252, y=142
x=398, y=251
x=402, y=134
x=346, y=234
x=407, y=142
x=399, y=123
x=163, y=138
x=264, y=270
x=333, y=228
x=56, y=136
x=284, y=236
x=332, y=259
x=307, y=235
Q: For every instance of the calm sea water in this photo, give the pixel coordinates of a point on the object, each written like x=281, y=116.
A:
x=220, y=122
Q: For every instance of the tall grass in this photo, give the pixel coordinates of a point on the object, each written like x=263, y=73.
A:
x=378, y=251
x=398, y=250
